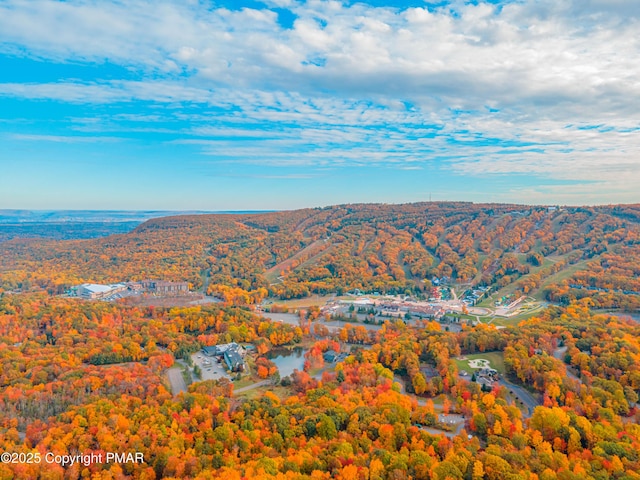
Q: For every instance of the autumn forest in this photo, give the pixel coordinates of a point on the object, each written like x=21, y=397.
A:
x=376, y=397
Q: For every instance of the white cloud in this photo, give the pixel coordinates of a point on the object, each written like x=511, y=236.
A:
x=526, y=52
x=512, y=56
x=509, y=89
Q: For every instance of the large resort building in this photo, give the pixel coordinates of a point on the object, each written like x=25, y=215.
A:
x=93, y=291
x=161, y=287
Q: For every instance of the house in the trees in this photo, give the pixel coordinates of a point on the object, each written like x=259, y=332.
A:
x=234, y=360
x=486, y=376
x=330, y=356
x=430, y=372
x=231, y=353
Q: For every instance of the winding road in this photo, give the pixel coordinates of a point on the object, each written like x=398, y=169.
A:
x=558, y=353
x=527, y=399
x=452, y=419
x=174, y=374
x=455, y=419
x=252, y=386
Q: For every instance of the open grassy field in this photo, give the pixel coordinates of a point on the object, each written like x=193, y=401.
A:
x=535, y=309
x=563, y=274
x=317, y=300
x=244, y=382
x=516, y=319
x=496, y=360
x=567, y=272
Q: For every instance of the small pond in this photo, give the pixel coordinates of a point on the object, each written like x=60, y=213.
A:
x=287, y=359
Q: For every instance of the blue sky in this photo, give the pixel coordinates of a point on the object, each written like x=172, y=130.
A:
x=281, y=104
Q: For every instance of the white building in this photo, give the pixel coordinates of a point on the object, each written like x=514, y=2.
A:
x=94, y=291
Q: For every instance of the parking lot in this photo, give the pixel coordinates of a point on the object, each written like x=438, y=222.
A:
x=450, y=419
x=211, y=369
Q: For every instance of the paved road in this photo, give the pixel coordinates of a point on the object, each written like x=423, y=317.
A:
x=252, y=386
x=559, y=354
x=336, y=326
x=400, y=380
x=211, y=369
x=436, y=431
x=523, y=395
x=452, y=419
x=176, y=380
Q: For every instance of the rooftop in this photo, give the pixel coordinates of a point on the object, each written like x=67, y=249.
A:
x=95, y=288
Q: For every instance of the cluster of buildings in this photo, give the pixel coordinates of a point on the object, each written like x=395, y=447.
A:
x=474, y=295
x=94, y=291
x=160, y=287
x=416, y=309
x=390, y=308
x=231, y=353
x=484, y=376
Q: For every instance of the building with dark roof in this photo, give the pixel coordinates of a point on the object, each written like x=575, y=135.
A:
x=234, y=360
x=219, y=350
x=330, y=356
x=210, y=351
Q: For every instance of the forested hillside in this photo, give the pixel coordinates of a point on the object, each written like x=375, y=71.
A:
x=87, y=377
x=552, y=397
x=559, y=254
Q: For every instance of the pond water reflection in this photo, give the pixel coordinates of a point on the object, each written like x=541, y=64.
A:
x=287, y=359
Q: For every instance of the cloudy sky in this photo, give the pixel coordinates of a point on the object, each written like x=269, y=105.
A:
x=276, y=104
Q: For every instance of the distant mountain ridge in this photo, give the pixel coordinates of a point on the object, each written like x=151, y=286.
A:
x=78, y=224
x=539, y=250
x=58, y=216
